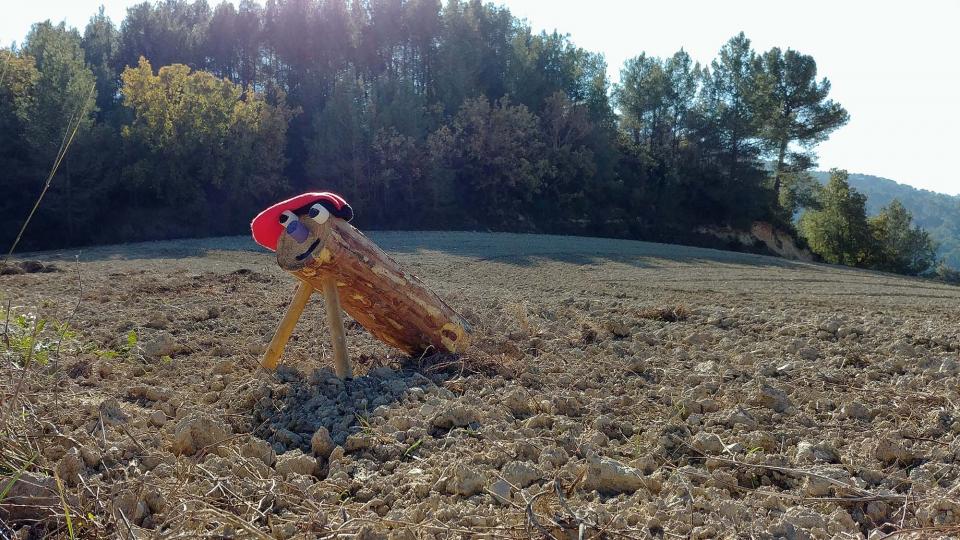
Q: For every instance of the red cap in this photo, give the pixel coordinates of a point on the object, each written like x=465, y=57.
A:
x=266, y=227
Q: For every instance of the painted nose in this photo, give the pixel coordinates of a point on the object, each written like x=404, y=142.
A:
x=298, y=231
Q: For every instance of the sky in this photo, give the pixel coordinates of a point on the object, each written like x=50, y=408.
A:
x=893, y=65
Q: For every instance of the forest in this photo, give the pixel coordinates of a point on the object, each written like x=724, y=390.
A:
x=184, y=120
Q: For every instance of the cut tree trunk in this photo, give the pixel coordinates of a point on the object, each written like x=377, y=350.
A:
x=393, y=305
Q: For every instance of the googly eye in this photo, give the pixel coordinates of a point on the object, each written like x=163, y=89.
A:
x=287, y=217
x=319, y=213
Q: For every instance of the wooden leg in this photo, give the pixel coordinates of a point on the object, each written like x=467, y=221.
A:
x=341, y=362
x=272, y=355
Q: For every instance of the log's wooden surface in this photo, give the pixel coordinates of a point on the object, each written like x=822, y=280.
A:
x=393, y=305
x=272, y=355
x=331, y=297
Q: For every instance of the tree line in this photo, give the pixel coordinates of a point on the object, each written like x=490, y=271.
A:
x=838, y=229
x=424, y=115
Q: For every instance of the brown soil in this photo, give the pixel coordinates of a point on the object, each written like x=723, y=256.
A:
x=616, y=389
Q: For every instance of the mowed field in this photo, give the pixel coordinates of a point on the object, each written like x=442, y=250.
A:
x=615, y=389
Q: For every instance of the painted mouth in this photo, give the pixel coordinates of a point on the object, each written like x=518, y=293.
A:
x=309, y=250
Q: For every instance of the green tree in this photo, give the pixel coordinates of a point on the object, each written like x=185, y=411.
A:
x=838, y=231
x=899, y=246
x=498, y=154
x=799, y=190
x=456, y=108
x=796, y=109
x=100, y=45
x=733, y=105
x=165, y=32
x=202, y=145
x=64, y=84
x=18, y=77
x=51, y=91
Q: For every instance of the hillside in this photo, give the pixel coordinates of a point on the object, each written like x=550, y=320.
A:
x=935, y=212
x=615, y=389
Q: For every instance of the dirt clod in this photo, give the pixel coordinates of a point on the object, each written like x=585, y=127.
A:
x=195, y=433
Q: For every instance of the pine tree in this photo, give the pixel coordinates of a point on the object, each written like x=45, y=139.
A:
x=839, y=231
x=795, y=109
x=898, y=245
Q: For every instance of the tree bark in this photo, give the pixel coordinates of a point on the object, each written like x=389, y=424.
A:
x=777, y=174
x=394, y=306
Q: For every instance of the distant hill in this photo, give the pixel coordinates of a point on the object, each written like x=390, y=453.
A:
x=936, y=212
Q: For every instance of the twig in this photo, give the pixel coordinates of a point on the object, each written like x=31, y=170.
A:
x=943, y=528
x=6, y=326
x=532, y=517
x=63, y=502
x=563, y=503
x=63, y=330
x=862, y=495
x=127, y=523
x=135, y=441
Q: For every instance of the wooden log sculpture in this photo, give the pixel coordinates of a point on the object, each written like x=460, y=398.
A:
x=315, y=243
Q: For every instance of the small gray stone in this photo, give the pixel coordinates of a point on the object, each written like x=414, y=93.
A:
x=500, y=491
x=707, y=443
x=855, y=410
x=821, y=452
x=772, y=398
x=321, y=443
x=610, y=476
x=160, y=345
x=831, y=326
x=70, y=467
x=517, y=401
x=158, y=418
x=456, y=416
x=359, y=441
x=521, y=474
x=464, y=481
x=197, y=432
x=297, y=462
x=890, y=451
x=259, y=449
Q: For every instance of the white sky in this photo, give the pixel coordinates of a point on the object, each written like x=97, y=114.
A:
x=893, y=65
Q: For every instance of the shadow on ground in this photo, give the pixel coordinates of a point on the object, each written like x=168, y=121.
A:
x=301, y=404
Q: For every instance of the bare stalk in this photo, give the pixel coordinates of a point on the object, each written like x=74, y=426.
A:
x=64, y=146
x=63, y=330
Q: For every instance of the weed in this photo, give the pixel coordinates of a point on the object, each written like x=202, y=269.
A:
x=127, y=350
x=66, y=507
x=412, y=448
x=13, y=479
x=31, y=338
x=365, y=424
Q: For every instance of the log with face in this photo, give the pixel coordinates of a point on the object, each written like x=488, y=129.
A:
x=314, y=242
x=302, y=239
x=395, y=306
